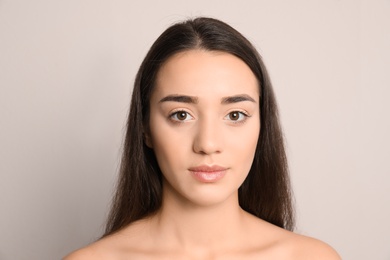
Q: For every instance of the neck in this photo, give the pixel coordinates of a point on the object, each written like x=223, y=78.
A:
x=188, y=225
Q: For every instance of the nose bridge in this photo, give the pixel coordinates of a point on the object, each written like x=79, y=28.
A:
x=208, y=136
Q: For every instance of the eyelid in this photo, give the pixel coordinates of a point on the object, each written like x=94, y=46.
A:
x=175, y=112
x=243, y=113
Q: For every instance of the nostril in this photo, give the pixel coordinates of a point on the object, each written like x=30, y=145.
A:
x=204, y=145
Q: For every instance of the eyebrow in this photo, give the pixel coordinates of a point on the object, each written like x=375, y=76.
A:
x=194, y=100
x=237, y=98
x=180, y=98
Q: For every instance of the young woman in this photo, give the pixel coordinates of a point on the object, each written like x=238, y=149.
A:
x=204, y=173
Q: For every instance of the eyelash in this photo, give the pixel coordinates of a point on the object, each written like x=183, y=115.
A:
x=175, y=113
x=241, y=113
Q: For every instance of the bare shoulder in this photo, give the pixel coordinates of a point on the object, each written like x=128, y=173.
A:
x=97, y=250
x=304, y=247
x=278, y=243
x=81, y=254
x=120, y=245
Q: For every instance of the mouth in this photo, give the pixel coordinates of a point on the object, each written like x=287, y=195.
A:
x=205, y=173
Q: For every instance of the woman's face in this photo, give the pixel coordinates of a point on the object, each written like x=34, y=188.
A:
x=204, y=125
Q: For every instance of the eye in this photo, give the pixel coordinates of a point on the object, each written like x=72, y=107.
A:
x=236, y=116
x=180, y=116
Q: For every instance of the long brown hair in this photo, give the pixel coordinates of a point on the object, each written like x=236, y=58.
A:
x=265, y=192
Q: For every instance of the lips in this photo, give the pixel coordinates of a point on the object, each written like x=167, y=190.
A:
x=205, y=173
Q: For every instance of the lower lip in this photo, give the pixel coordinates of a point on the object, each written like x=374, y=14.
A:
x=208, y=176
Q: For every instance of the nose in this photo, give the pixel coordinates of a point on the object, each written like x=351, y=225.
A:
x=208, y=138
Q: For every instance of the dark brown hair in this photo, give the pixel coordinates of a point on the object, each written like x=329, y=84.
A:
x=265, y=192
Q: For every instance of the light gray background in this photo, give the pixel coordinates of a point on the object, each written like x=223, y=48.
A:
x=66, y=70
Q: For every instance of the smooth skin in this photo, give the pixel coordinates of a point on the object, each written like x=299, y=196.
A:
x=204, y=111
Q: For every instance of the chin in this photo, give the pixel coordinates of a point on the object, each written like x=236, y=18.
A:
x=212, y=197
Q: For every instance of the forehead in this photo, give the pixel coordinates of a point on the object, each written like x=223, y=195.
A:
x=198, y=72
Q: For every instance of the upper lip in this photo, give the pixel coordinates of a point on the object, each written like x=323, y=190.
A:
x=207, y=168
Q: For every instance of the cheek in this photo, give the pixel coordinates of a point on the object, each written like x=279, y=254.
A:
x=168, y=144
x=243, y=145
x=245, y=138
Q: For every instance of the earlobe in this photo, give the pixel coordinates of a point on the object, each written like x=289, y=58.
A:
x=147, y=140
x=146, y=136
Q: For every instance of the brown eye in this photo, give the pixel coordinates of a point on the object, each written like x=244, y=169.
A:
x=181, y=116
x=234, y=116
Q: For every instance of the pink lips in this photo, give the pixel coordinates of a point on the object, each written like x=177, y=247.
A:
x=206, y=173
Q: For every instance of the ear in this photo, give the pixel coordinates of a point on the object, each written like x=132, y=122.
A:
x=148, y=139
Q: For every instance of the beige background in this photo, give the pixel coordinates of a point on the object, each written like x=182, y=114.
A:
x=66, y=69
